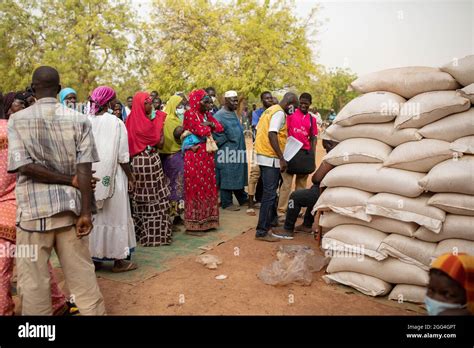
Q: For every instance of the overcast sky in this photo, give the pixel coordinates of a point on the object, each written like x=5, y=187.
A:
x=366, y=36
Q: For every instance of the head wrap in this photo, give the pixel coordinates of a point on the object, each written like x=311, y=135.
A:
x=194, y=99
x=141, y=130
x=460, y=268
x=100, y=97
x=64, y=93
x=172, y=121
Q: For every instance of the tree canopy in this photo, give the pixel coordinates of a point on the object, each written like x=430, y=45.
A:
x=245, y=45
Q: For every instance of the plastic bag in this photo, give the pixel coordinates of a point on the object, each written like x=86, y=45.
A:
x=295, y=264
x=208, y=260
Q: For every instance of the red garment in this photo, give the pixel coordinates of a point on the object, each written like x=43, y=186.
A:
x=141, y=130
x=201, y=206
x=299, y=126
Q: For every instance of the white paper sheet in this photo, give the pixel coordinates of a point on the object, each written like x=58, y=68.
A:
x=292, y=147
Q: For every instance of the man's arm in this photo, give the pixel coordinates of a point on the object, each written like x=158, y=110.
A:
x=45, y=175
x=321, y=172
x=84, y=177
x=273, y=136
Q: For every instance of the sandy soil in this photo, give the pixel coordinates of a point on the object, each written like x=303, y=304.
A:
x=189, y=288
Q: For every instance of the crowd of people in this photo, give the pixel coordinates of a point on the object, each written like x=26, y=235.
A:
x=92, y=180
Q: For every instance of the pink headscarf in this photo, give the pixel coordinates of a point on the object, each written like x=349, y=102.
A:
x=100, y=96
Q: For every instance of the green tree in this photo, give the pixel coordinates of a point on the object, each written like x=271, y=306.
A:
x=89, y=41
x=243, y=45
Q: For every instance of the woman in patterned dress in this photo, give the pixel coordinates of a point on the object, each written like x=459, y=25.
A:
x=201, y=202
x=150, y=198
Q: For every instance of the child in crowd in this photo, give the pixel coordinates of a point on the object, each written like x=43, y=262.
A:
x=189, y=140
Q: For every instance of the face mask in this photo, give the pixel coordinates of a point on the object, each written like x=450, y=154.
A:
x=434, y=307
x=180, y=113
x=214, y=100
x=110, y=111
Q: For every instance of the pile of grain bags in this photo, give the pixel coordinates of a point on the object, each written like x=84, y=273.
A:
x=402, y=192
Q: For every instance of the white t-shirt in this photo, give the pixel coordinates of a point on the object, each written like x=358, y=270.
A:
x=277, y=122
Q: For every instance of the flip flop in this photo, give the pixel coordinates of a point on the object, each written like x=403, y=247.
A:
x=251, y=212
x=130, y=267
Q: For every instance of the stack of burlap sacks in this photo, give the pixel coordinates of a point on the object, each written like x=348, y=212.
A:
x=402, y=191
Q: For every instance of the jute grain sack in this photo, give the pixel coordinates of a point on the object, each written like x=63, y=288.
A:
x=408, y=250
x=408, y=293
x=345, y=201
x=375, y=107
x=420, y=156
x=365, y=284
x=454, y=203
x=384, y=132
x=358, y=150
x=455, y=176
x=450, y=128
x=356, y=239
x=430, y=107
x=461, y=69
x=407, y=209
x=375, y=178
x=454, y=227
x=455, y=246
x=468, y=92
x=464, y=145
x=330, y=219
x=390, y=270
x=406, y=82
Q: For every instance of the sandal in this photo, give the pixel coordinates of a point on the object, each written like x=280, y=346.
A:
x=251, y=212
x=129, y=266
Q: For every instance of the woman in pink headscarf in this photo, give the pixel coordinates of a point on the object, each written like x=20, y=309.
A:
x=201, y=211
x=150, y=199
x=113, y=235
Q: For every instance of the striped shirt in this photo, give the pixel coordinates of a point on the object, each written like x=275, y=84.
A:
x=58, y=138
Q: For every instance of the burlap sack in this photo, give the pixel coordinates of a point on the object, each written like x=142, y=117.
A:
x=365, y=284
x=384, y=132
x=358, y=150
x=468, y=92
x=429, y=107
x=464, y=145
x=408, y=250
x=390, y=270
x=406, y=82
x=450, y=128
x=407, y=209
x=454, y=227
x=454, y=203
x=355, y=238
x=345, y=201
x=375, y=178
x=408, y=293
x=375, y=107
x=330, y=219
x=461, y=69
x=454, y=176
x=420, y=156
x=455, y=246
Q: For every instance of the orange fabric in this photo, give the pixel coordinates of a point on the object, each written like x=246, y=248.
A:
x=460, y=268
x=7, y=190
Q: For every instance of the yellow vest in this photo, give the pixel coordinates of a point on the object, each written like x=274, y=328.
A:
x=262, y=142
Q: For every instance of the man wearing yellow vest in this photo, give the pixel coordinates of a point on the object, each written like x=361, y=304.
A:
x=269, y=146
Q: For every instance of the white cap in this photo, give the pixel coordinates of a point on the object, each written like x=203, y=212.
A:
x=230, y=94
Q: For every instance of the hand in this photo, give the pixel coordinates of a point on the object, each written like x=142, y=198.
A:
x=131, y=184
x=209, y=124
x=83, y=226
x=283, y=165
x=94, y=180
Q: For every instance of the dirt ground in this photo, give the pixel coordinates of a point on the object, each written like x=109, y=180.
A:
x=189, y=288
x=186, y=287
